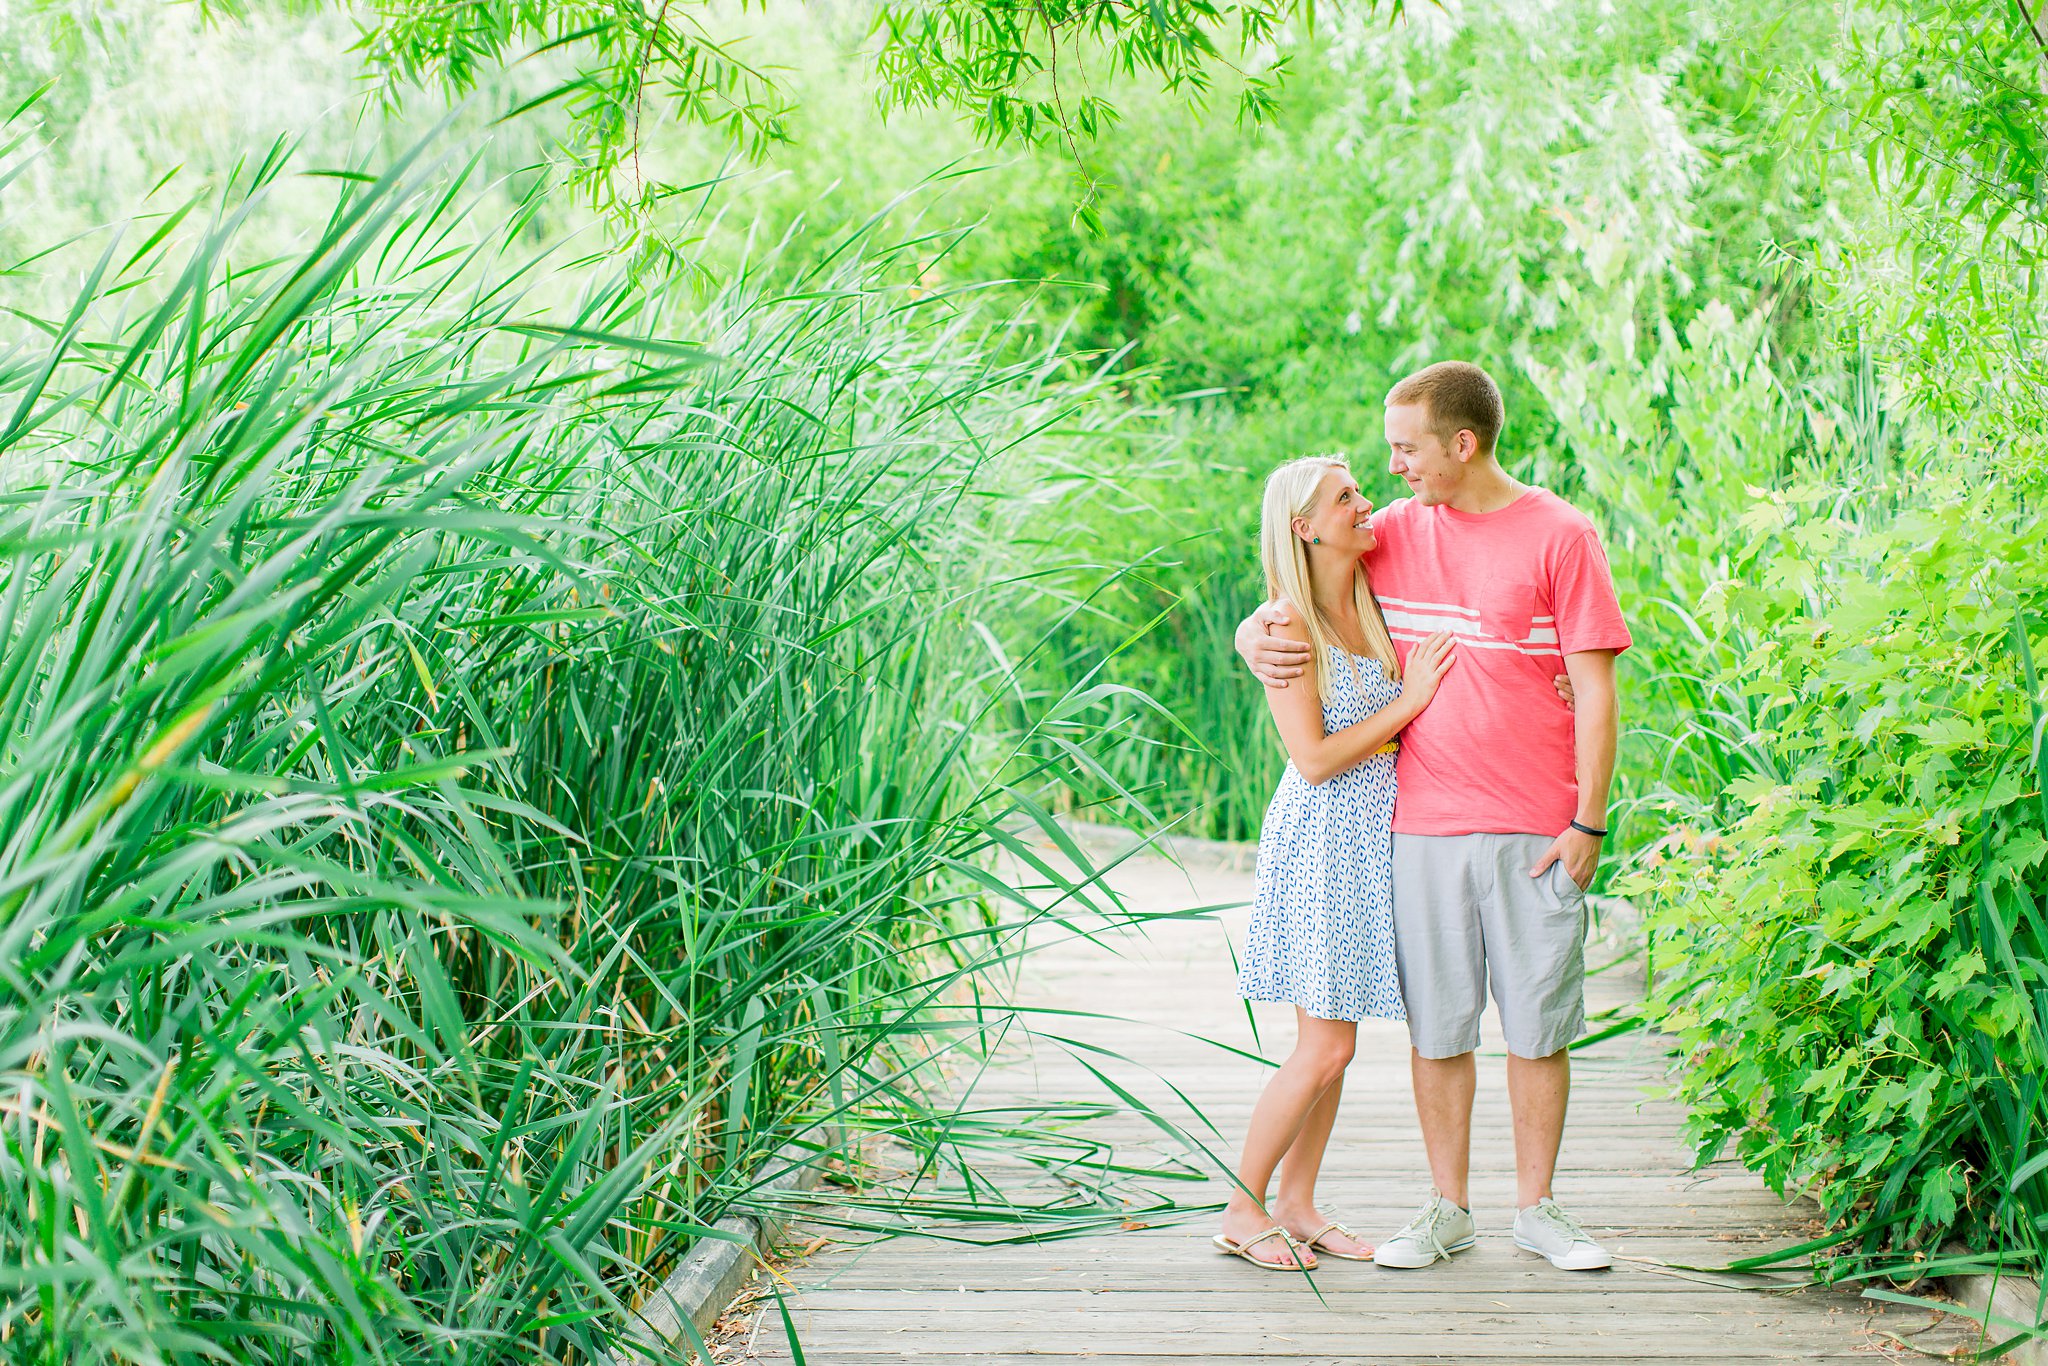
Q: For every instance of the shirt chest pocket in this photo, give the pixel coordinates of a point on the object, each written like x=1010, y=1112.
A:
x=1507, y=607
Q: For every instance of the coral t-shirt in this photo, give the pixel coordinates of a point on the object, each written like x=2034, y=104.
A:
x=1520, y=588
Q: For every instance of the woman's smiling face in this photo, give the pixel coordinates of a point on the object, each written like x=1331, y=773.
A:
x=1340, y=516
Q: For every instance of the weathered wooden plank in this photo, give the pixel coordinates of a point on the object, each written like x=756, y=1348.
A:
x=1096, y=1276
x=836, y=1345
x=1508, y=1286
x=1674, y=1298
x=1119, y=1322
x=1740, y=1354
x=1173, y=1252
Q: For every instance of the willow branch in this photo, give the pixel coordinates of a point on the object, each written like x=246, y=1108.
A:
x=2033, y=28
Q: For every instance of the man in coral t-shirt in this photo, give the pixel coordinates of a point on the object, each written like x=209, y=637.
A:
x=1502, y=799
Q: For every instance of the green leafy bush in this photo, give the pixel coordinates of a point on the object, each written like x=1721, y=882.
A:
x=1849, y=930
x=1854, y=961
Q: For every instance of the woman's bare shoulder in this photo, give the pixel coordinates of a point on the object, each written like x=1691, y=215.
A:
x=1296, y=625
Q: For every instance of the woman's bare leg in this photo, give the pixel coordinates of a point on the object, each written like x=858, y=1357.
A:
x=1322, y=1049
x=1294, y=1205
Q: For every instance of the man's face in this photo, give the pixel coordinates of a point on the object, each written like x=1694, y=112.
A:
x=1418, y=455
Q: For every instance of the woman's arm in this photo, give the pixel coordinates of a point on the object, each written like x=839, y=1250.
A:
x=1299, y=715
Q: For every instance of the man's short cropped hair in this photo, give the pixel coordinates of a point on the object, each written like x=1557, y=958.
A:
x=1458, y=396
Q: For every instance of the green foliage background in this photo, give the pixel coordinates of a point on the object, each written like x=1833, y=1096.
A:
x=1762, y=285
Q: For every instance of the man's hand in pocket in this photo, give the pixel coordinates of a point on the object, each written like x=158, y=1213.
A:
x=1577, y=851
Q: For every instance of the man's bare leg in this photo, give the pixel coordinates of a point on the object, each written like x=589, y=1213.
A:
x=1443, y=1226
x=1538, y=1089
x=1443, y=1104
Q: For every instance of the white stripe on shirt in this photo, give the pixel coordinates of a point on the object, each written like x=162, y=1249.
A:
x=1413, y=626
x=1446, y=609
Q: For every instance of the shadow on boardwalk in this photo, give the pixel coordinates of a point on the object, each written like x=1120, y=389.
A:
x=1158, y=1295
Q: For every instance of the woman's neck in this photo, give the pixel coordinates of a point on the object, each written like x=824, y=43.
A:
x=1330, y=585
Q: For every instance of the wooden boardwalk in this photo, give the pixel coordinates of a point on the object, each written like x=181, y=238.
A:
x=1157, y=1295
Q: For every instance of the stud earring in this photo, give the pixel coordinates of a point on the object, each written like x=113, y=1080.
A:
x=1319, y=540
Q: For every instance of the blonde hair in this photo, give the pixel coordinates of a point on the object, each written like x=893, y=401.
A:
x=1292, y=491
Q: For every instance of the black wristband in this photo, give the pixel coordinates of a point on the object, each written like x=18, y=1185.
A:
x=1589, y=830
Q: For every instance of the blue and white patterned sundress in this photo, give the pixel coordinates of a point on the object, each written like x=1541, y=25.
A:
x=1322, y=931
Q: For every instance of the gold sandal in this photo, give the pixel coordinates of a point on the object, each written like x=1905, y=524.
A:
x=1314, y=1243
x=1244, y=1249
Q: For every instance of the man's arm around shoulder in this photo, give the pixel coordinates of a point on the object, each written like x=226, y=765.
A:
x=1274, y=654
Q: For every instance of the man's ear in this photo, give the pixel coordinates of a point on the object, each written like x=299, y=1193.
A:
x=1467, y=446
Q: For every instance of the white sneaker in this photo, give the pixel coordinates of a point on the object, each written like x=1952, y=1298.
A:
x=1546, y=1230
x=1438, y=1231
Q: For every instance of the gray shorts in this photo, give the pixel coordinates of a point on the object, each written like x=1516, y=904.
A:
x=1466, y=910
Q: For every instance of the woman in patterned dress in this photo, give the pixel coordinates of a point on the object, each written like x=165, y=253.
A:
x=1322, y=934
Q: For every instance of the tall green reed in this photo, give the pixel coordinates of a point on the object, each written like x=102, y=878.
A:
x=490, y=749
x=1207, y=762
